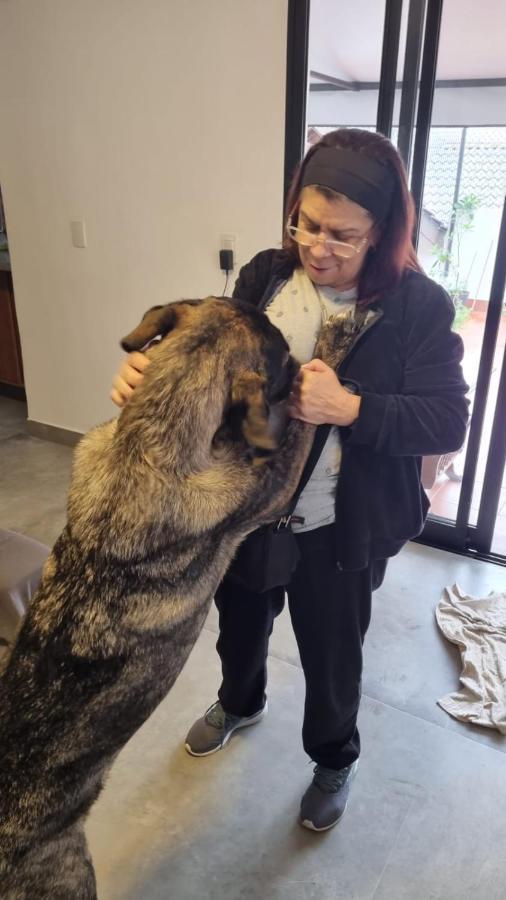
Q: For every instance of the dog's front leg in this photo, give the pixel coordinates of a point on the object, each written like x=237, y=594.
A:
x=59, y=867
x=279, y=475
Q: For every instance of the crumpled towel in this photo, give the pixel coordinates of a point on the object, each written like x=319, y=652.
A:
x=478, y=627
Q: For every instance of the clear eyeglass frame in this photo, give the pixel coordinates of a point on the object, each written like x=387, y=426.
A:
x=337, y=248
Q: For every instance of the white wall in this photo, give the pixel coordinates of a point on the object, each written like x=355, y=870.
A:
x=474, y=253
x=161, y=125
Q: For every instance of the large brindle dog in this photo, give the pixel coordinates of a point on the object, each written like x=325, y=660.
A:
x=159, y=501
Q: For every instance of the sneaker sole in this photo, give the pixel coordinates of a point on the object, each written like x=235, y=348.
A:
x=309, y=825
x=251, y=720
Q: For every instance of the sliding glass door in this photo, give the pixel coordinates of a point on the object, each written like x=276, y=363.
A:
x=432, y=76
x=458, y=177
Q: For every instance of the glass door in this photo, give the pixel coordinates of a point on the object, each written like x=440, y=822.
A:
x=432, y=76
x=468, y=490
x=459, y=183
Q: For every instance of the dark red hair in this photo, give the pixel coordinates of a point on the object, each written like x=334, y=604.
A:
x=394, y=252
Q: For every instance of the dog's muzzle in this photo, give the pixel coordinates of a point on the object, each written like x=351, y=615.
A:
x=281, y=387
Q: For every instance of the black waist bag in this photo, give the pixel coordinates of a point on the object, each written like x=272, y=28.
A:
x=268, y=557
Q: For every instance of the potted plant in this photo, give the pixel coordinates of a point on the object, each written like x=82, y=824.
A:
x=448, y=264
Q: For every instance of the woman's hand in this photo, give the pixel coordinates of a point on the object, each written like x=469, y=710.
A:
x=130, y=374
x=318, y=397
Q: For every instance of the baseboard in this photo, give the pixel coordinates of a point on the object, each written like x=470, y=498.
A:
x=12, y=391
x=53, y=433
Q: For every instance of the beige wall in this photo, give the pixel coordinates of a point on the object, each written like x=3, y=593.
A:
x=161, y=125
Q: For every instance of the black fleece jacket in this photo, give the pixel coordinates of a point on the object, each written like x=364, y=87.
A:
x=406, y=368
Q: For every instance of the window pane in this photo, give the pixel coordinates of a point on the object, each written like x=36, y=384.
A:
x=344, y=65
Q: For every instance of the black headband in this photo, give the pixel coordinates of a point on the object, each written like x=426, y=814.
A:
x=360, y=178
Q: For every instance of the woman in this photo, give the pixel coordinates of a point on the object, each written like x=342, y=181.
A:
x=398, y=395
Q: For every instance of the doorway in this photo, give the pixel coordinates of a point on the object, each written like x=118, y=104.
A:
x=11, y=365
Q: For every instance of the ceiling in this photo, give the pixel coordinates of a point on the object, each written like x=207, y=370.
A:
x=472, y=45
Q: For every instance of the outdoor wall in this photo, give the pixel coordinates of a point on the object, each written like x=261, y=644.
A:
x=159, y=124
x=473, y=252
x=431, y=234
x=452, y=106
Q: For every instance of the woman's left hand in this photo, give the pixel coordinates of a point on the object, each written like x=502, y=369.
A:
x=318, y=397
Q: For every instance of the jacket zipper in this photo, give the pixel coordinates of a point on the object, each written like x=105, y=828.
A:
x=372, y=322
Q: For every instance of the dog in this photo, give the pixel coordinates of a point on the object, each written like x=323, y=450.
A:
x=160, y=498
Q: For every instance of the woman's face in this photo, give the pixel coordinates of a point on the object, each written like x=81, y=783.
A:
x=339, y=220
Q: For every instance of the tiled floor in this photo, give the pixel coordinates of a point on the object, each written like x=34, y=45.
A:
x=426, y=818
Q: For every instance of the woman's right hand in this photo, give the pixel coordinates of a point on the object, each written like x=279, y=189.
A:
x=129, y=375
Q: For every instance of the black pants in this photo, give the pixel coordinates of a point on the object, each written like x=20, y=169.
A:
x=330, y=612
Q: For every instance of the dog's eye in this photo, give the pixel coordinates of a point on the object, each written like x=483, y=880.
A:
x=152, y=342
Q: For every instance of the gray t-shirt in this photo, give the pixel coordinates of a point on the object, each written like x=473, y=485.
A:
x=298, y=310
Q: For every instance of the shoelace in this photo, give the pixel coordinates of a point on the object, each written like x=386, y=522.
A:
x=331, y=780
x=217, y=717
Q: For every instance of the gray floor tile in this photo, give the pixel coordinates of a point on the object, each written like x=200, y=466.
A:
x=33, y=486
x=451, y=843
x=12, y=417
x=407, y=661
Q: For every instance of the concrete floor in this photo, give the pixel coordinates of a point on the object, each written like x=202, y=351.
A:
x=426, y=817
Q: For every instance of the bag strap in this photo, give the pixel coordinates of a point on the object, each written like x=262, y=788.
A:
x=321, y=435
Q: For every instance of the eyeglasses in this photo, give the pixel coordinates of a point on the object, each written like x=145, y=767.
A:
x=338, y=248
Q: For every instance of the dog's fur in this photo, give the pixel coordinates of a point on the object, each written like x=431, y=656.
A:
x=159, y=501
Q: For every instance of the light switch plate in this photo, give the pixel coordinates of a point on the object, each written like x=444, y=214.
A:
x=78, y=232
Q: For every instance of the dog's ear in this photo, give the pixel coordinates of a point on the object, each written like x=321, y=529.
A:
x=248, y=399
x=157, y=320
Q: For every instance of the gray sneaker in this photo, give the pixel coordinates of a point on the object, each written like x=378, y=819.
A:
x=215, y=728
x=325, y=800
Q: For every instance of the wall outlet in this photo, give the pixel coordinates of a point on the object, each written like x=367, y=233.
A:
x=227, y=242
x=78, y=233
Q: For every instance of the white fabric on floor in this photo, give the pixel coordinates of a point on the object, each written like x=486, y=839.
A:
x=478, y=627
